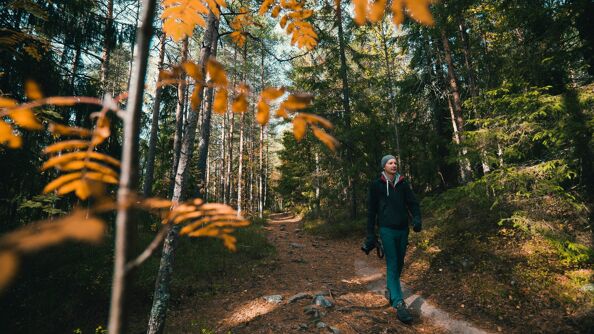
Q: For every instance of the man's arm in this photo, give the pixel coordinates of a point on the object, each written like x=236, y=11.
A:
x=413, y=206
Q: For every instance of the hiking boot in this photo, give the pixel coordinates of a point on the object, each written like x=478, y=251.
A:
x=402, y=313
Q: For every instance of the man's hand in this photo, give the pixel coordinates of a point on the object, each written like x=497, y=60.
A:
x=369, y=244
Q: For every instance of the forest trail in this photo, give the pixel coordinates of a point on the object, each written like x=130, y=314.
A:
x=279, y=297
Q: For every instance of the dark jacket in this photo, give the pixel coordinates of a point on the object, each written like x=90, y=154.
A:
x=392, y=207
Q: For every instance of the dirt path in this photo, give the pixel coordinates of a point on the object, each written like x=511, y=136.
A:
x=306, y=266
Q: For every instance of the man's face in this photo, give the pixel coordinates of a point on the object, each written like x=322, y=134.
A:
x=390, y=166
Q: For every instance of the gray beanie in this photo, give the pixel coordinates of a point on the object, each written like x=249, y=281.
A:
x=387, y=158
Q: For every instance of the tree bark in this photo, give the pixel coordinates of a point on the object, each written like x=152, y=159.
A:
x=346, y=106
x=150, y=160
x=162, y=287
x=129, y=172
x=106, y=52
x=179, y=118
x=456, y=109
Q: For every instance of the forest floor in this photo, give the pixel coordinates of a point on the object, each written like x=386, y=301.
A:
x=278, y=297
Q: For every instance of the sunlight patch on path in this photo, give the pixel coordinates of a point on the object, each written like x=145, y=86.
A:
x=364, y=270
x=247, y=312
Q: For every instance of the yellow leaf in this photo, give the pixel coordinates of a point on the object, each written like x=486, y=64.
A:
x=240, y=104
x=61, y=101
x=216, y=72
x=325, y=138
x=272, y=93
x=220, y=101
x=60, y=181
x=101, y=132
x=222, y=3
x=32, y=90
x=25, y=119
x=263, y=114
x=229, y=242
x=64, y=158
x=283, y=21
x=68, y=130
x=7, y=103
x=299, y=127
x=66, y=145
x=282, y=112
x=213, y=7
x=7, y=136
x=8, y=267
x=180, y=17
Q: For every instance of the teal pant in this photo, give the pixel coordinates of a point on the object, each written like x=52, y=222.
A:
x=395, y=242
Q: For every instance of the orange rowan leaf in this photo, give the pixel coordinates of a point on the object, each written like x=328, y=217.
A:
x=275, y=11
x=212, y=5
x=64, y=158
x=229, y=241
x=283, y=21
x=101, y=132
x=32, y=90
x=181, y=16
x=298, y=101
x=193, y=70
x=7, y=136
x=216, y=72
x=220, y=101
x=221, y=3
x=7, y=102
x=63, y=130
x=264, y=7
x=60, y=181
x=360, y=7
x=419, y=10
x=156, y=203
x=376, y=11
x=66, y=145
x=8, y=267
x=81, y=164
x=25, y=118
x=272, y=93
x=282, y=112
x=299, y=127
x=196, y=97
x=263, y=114
x=240, y=104
x=103, y=178
x=328, y=140
x=311, y=118
x=80, y=188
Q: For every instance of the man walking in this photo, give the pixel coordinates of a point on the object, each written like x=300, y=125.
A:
x=390, y=201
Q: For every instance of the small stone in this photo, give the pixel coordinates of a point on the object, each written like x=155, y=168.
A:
x=587, y=287
x=499, y=329
x=322, y=301
x=334, y=330
x=321, y=324
x=273, y=299
x=299, y=296
x=296, y=245
x=303, y=326
x=312, y=311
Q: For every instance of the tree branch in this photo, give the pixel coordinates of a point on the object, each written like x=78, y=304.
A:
x=149, y=251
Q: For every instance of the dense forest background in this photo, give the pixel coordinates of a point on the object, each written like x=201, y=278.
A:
x=490, y=111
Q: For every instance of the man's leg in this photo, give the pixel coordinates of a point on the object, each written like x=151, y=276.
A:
x=392, y=249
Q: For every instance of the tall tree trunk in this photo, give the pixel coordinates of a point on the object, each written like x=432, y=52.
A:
x=205, y=128
x=346, y=106
x=179, y=118
x=261, y=142
x=223, y=160
x=392, y=99
x=162, y=287
x=129, y=173
x=106, y=52
x=456, y=110
x=150, y=160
